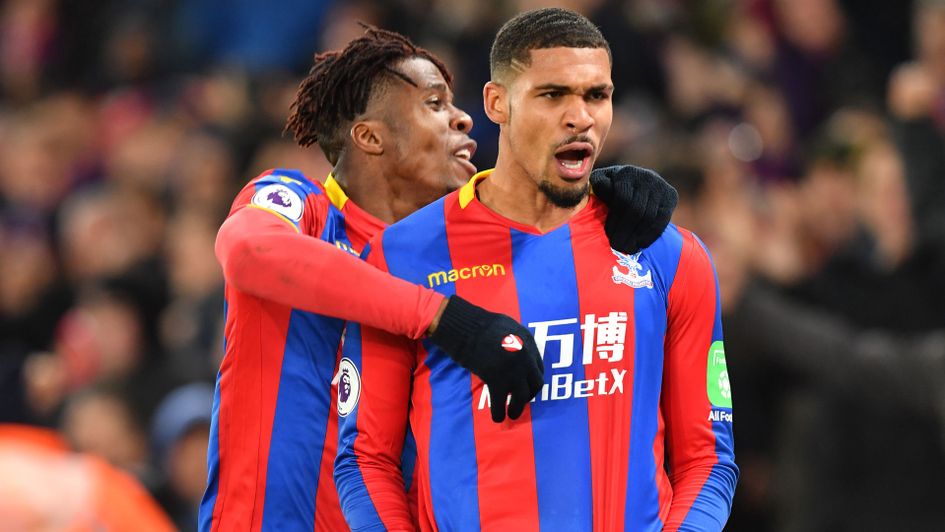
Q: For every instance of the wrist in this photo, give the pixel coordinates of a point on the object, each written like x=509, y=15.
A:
x=458, y=325
x=436, y=317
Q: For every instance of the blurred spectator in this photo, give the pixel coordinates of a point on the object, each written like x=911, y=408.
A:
x=24, y=279
x=827, y=195
x=35, y=175
x=917, y=102
x=860, y=234
x=100, y=421
x=31, y=302
x=101, y=339
x=826, y=465
x=817, y=65
x=766, y=139
x=204, y=170
x=179, y=435
x=191, y=323
x=27, y=30
x=104, y=232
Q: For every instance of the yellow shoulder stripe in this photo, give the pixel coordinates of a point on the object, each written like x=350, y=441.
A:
x=285, y=179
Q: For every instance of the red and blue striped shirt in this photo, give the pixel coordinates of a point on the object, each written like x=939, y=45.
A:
x=274, y=427
x=633, y=427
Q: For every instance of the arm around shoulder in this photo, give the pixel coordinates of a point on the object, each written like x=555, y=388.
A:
x=268, y=258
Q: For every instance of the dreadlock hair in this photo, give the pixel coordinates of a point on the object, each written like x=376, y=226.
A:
x=541, y=28
x=341, y=83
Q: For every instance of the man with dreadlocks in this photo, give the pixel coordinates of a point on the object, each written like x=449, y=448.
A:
x=382, y=112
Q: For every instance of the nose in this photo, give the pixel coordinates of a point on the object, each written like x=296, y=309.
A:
x=460, y=121
x=577, y=117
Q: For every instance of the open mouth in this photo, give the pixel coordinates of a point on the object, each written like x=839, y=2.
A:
x=574, y=160
x=466, y=152
x=464, y=155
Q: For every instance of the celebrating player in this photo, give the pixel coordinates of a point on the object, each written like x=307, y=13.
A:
x=382, y=111
x=632, y=428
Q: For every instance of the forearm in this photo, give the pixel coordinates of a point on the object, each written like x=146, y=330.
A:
x=702, y=497
x=371, y=430
x=383, y=506
x=263, y=257
x=873, y=366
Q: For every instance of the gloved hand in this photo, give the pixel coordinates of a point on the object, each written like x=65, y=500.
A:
x=641, y=205
x=497, y=349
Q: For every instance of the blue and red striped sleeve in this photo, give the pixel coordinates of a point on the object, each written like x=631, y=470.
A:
x=248, y=384
x=696, y=398
x=269, y=248
x=372, y=427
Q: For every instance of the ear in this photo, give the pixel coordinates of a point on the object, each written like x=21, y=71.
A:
x=495, y=98
x=368, y=136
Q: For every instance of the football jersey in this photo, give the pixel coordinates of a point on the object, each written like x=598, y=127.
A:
x=274, y=426
x=632, y=429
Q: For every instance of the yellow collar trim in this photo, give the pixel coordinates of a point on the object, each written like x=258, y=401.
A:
x=468, y=192
x=336, y=195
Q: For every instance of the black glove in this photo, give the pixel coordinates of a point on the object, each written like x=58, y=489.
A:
x=496, y=348
x=641, y=205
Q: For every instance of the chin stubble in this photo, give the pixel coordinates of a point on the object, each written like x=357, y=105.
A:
x=564, y=197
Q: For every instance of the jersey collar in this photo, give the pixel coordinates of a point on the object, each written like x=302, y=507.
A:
x=468, y=192
x=357, y=219
x=335, y=194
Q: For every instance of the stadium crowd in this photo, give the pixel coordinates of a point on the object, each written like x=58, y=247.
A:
x=806, y=139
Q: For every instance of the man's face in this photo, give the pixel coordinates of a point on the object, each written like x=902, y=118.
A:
x=559, y=113
x=429, y=147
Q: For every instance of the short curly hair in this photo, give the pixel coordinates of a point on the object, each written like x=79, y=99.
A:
x=541, y=28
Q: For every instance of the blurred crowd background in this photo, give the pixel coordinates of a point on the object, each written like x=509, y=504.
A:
x=806, y=139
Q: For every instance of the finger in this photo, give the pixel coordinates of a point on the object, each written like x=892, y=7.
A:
x=636, y=193
x=520, y=398
x=535, y=367
x=668, y=204
x=659, y=214
x=535, y=381
x=625, y=226
x=651, y=216
x=498, y=398
x=618, y=214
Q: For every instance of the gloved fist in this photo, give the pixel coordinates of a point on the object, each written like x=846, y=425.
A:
x=641, y=205
x=497, y=349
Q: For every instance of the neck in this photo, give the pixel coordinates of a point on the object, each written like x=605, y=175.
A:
x=512, y=193
x=369, y=188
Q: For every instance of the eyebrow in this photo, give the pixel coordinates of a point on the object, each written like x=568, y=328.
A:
x=565, y=88
x=438, y=85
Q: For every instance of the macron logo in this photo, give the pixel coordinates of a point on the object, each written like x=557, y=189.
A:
x=451, y=276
